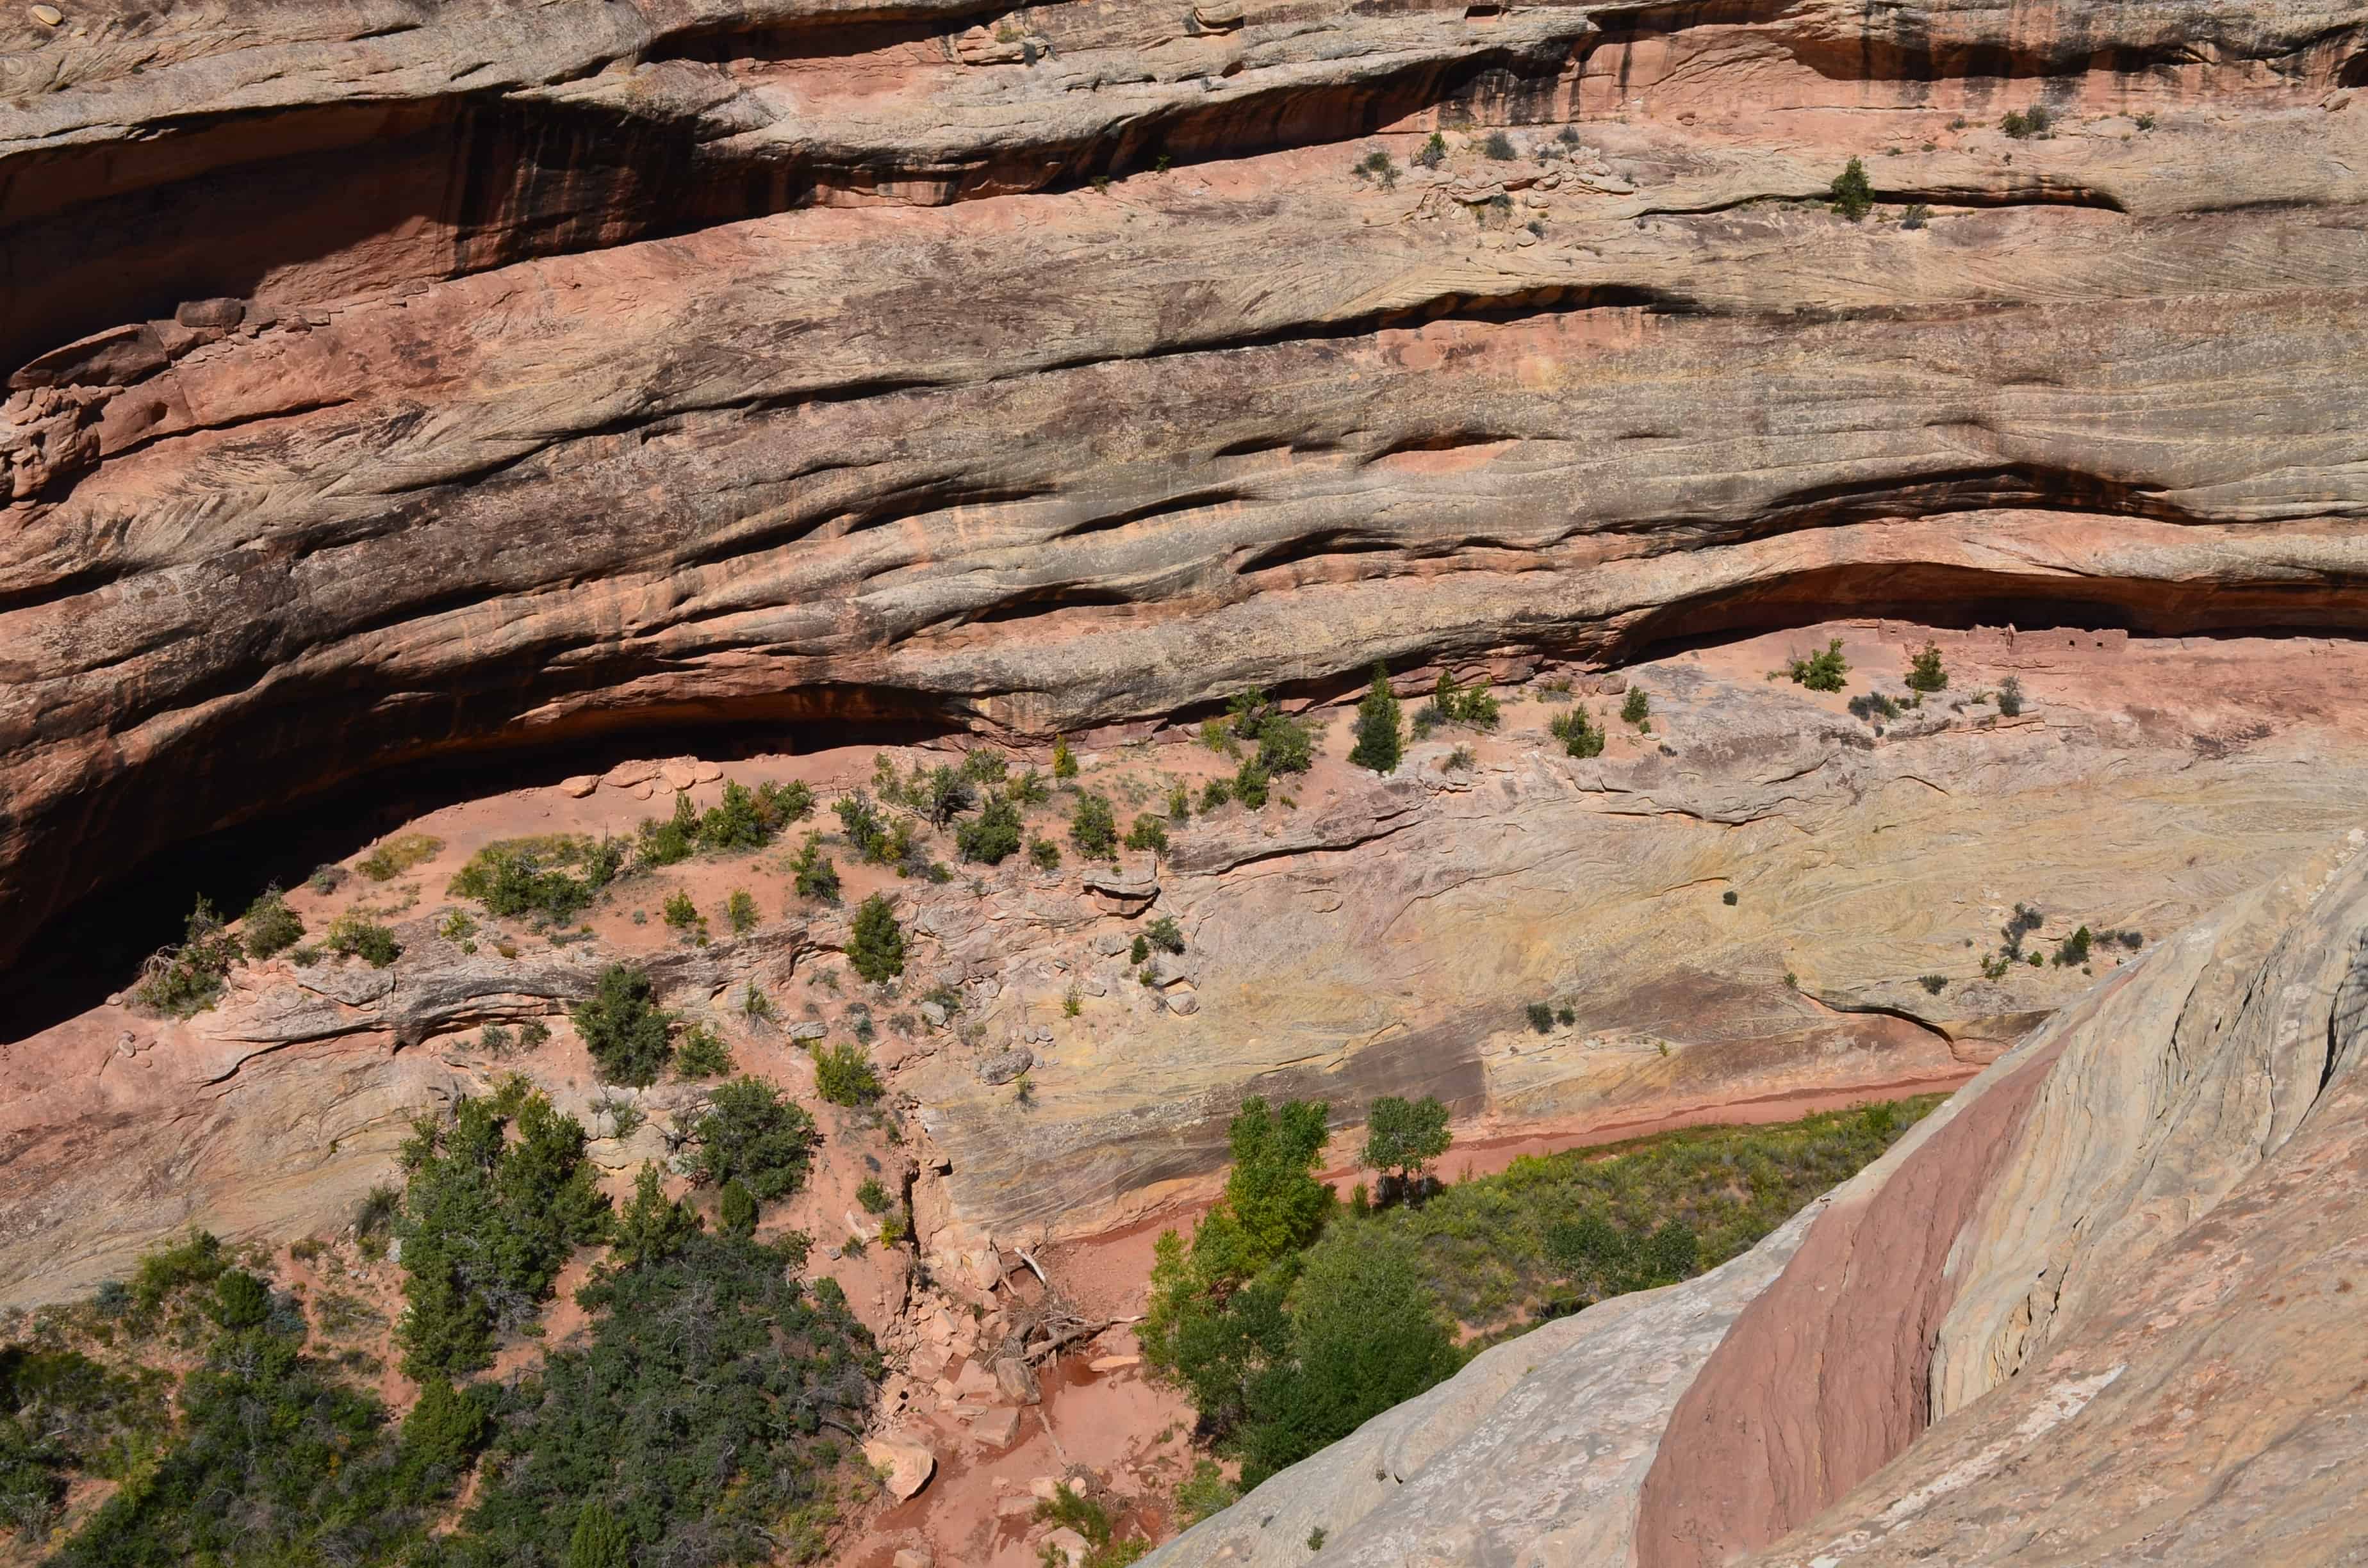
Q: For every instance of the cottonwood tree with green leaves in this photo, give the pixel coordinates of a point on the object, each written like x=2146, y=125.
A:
x=1404, y=1137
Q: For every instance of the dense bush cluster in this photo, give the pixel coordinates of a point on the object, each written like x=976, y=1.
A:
x=749, y=1133
x=700, y=1424
x=275, y=1458
x=499, y=1196
x=1280, y=1360
x=624, y=1029
x=1289, y=1322
x=551, y=879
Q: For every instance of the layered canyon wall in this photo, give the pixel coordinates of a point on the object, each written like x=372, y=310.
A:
x=397, y=382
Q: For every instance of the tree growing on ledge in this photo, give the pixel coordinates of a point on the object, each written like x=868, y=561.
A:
x=1924, y=671
x=1404, y=1137
x=875, y=947
x=1853, y=194
x=1378, y=742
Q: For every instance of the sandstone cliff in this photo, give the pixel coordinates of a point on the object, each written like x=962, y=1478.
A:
x=2094, y=1310
x=398, y=382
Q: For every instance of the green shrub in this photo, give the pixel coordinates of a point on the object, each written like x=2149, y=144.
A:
x=1924, y=671
x=355, y=935
x=749, y=1132
x=1499, y=147
x=818, y=878
x=665, y=842
x=1578, y=735
x=1148, y=833
x=680, y=913
x=623, y=1026
x=516, y=877
x=498, y=1196
x=701, y=1054
x=1250, y=782
x=1027, y=789
x=1215, y=793
x=1638, y=708
x=1065, y=761
x=1043, y=854
x=1206, y=1490
x=1092, y=829
x=736, y=1210
x=875, y=943
x=2009, y=697
x=1179, y=802
x=1455, y=704
x=1853, y=194
x=2073, y=951
x=1379, y=745
x=269, y=925
x=993, y=835
x=2032, y=122
x=1542, y=1017
x=1434, y=151
x=843, y=1075
x=1286, y=746
x=873, y=838
x=190, y=978
x=1377, y=165
x=1820, y=672
x=740, y=910
x=940, y=794
x=874, y=1197
x=1163, y=934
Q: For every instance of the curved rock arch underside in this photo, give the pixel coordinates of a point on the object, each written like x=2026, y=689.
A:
x=396, y=380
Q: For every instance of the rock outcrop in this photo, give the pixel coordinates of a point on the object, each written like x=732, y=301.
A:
x=396, y=381
x=1385, y=935
x=2095, y=1308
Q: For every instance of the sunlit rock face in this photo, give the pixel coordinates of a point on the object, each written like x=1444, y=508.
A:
x=396, y=381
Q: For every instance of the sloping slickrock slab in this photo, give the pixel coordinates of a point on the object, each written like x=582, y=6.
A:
x=1534, y=1453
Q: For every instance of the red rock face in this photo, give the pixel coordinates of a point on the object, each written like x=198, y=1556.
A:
x=503, y=378
x=1825, y=1377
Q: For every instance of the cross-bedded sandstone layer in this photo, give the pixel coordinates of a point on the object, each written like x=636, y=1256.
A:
x=400, y=382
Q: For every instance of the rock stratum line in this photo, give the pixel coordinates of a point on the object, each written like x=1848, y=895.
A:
x=398, y=382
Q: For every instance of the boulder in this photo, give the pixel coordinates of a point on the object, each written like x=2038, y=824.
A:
x=1006, y=1065
x=1015, y=1380
x=999, y=1428
x=907, y=1462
